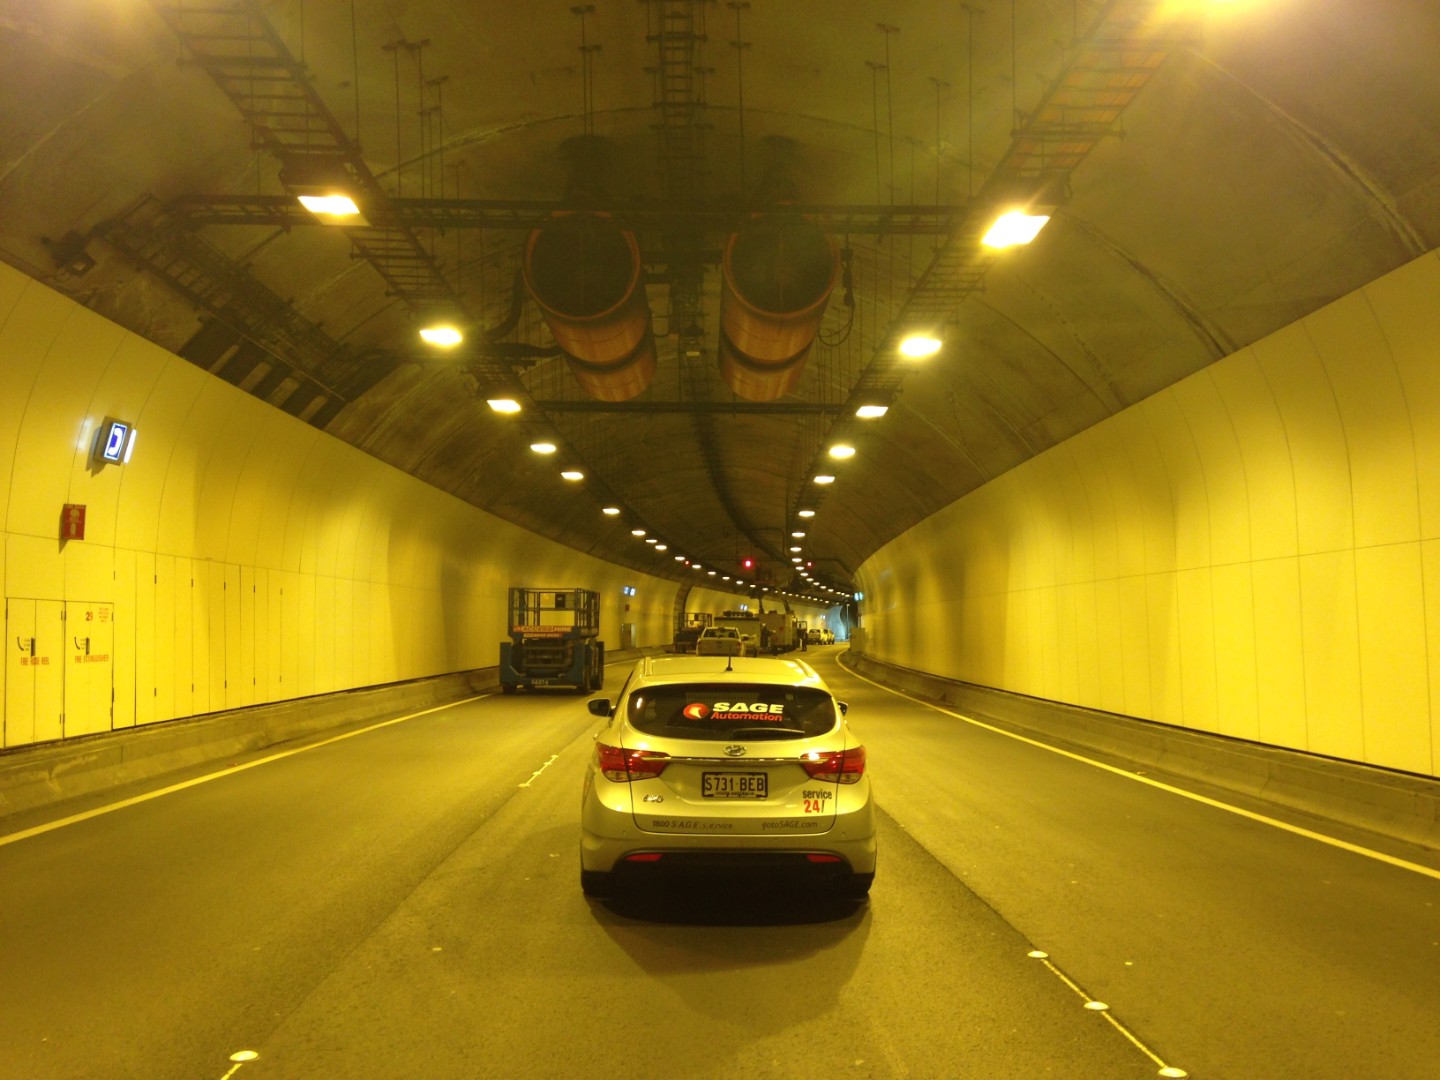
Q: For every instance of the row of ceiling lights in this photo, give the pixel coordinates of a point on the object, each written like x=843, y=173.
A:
x=915, y=346
x=575, y=475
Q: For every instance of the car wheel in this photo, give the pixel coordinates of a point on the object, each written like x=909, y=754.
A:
x=595, y=883
x=507, y=688
x=858, y=886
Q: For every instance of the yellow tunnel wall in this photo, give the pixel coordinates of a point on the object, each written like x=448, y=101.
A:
x=1254, y=551
x=242, y=556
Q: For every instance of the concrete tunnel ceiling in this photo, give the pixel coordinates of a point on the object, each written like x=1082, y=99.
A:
x=1215, y=171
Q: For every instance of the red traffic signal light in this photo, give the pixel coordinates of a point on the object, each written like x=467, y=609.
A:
x=747, y=564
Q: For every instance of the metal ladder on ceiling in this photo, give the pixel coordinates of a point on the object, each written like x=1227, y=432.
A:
x=234, y=44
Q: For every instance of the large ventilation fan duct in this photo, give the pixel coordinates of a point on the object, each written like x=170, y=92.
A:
x=778, y=271
x=585, y=273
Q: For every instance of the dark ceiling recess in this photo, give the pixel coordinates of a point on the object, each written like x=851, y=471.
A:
x=686, y=238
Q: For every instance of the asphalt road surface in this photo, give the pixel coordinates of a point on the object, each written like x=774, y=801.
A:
x=404, y=902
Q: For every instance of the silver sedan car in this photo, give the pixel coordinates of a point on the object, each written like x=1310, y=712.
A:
x=718, y=766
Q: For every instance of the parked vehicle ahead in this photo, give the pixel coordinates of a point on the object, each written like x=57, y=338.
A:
x=719, y=641
x=814, y=635
x=718, y=767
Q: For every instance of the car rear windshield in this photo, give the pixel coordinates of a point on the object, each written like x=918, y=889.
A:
x=704, y=711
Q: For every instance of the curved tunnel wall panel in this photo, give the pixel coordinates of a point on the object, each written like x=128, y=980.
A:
x=1254, y=551
x=244, y=556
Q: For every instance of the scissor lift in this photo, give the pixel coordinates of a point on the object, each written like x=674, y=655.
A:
x=554, y=641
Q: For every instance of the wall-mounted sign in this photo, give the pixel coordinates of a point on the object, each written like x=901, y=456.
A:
x=72, y=521
x=114, y=442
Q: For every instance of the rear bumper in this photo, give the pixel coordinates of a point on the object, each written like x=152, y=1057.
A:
x=609, y=835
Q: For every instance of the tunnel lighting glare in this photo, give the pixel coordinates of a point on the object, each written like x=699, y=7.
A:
x=610, y=511
x=919, y=346
x=572, y=475
x=1014, y=228
x=679, y=558
x=637, y=532
x=824, y=479
x=696, y=566
x=806, y=513
x=442, y=336
x=710, y=573
x=662, y=547
x=795, y=558
x=842, y=451
x=543, y=447
x=651, y=540
x=798, y=534
x=797, y=548
x=503, y=405
x=871, y=412
x=332, y=209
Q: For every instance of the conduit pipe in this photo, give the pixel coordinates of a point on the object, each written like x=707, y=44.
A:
x=585, y=273
x=777, y=273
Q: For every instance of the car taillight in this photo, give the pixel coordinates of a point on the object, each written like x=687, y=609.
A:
x=621, y=765
x=837, y=766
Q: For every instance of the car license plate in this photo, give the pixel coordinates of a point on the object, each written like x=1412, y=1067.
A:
x=733, y=785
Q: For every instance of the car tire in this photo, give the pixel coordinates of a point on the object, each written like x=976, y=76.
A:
x=595, y=883
x=507, y=688
x=858, y=886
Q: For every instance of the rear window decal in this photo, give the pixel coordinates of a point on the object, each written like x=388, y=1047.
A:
x=700, y=710
x=733, y=710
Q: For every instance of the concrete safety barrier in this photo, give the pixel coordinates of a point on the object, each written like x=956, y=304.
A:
x=37, y=776
x=1399, y=805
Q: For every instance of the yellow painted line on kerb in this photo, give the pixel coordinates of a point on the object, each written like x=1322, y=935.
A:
x=60, y=823
x=1343, y=845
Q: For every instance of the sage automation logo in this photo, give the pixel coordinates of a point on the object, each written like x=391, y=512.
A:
x=696, y=711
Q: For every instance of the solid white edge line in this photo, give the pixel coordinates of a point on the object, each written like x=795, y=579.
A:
x=1298, y=830
x=60, y=823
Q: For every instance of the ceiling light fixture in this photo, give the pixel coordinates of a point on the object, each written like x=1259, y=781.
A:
x=543, y=447
x=919, y=346
x=324, y=185
x=503, y=405
x=441, y=335
x=333, y=209
x=610, y=511
x=871, y=412
x=637, y=532
x=806, y=513
x=842, y=451
x=823, y=478
x=1013, y=228
x=572, y=475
